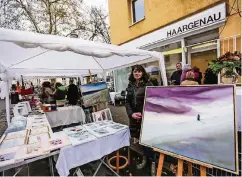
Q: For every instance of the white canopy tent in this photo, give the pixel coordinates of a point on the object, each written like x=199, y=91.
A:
x=32, y=54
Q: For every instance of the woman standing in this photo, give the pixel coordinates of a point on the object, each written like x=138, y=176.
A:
x=138, y=80
x=47, y=94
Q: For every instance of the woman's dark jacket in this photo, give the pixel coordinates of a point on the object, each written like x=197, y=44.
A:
x=135, y=103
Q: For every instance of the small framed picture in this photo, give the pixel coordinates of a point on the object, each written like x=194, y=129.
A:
x=102, y=115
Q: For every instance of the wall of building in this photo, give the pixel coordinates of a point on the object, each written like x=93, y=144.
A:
x=158, y=13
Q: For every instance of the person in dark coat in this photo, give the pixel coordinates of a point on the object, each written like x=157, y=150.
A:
x=210, y=77
x=176, y=76
x=138, y=80
x=72, y=93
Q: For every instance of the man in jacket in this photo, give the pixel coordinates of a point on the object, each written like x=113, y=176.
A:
x=72, y=94
x=176, y=76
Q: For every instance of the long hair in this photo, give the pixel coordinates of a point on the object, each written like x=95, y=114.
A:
x=145, y=77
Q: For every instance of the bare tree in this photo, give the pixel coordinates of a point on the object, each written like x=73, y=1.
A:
x=58, y=17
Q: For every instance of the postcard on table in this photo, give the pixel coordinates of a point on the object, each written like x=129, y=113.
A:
x=7, y=156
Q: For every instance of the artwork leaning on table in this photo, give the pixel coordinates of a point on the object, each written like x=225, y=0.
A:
x=196, y=122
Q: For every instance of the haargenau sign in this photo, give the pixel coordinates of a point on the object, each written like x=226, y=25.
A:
x=207, y=18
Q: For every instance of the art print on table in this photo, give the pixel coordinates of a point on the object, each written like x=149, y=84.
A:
x=8, y=156
x=117, y=127
x=101, y=132
x=81, y=137
x=37, y=131
x=12, y=143
x=91, y=126
x=39, y=138
x=196, y=122
x=75, y=129
x=109, y=115
x=14, y=135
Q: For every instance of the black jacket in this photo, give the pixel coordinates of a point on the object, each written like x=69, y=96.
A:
x=176, y=76
x=72, y=94
x=135, y=103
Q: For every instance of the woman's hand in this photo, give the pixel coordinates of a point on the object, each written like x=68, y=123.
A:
x=137, y=115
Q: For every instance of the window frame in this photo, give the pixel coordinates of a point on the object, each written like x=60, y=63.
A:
x=132, y=9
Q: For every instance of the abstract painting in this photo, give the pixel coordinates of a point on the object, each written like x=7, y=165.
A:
x=196, y=122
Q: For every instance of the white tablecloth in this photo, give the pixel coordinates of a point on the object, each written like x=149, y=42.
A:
x=66, y=116
x=74, y=156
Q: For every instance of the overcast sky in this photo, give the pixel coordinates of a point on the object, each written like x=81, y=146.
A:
x=103, y=3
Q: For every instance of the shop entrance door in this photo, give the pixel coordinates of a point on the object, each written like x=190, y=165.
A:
x=201, y=60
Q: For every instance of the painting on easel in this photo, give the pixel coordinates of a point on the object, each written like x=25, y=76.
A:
x=194, y=122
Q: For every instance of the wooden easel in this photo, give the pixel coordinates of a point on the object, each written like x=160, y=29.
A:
x=203, y=166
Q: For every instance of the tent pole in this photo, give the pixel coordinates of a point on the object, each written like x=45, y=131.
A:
x=7, y=102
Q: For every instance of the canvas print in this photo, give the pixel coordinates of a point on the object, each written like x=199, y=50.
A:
x=7, y=159
x=90, y=88
x=194, y=122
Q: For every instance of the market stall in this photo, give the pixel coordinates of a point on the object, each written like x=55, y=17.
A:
x=38, y=54
x=46, y=55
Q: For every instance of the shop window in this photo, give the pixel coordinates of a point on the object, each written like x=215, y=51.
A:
x=138, y=10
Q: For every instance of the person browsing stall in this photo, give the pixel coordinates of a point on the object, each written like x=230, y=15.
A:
x=72, y=93
x=176, y=76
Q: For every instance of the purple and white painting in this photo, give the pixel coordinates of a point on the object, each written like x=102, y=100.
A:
x=195, y=122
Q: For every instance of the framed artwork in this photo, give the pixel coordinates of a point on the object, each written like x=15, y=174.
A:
x=29, y=151
x=81, y=137
x=40, y=130
x=101, y=132
x=117, y=127
x=11, y=143
x=92, y=88
x=102, y=115
x=38, y=138
x=195, y=122
x=19, y=134
x=72, y=130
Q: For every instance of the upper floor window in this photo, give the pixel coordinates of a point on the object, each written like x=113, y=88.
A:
x=138, y=10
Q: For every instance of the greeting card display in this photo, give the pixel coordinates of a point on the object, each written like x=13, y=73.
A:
x=29, y=151
x=14, y=135
x=59, y=140
x=102, y=115
x=10, y=143
x=39, y=138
